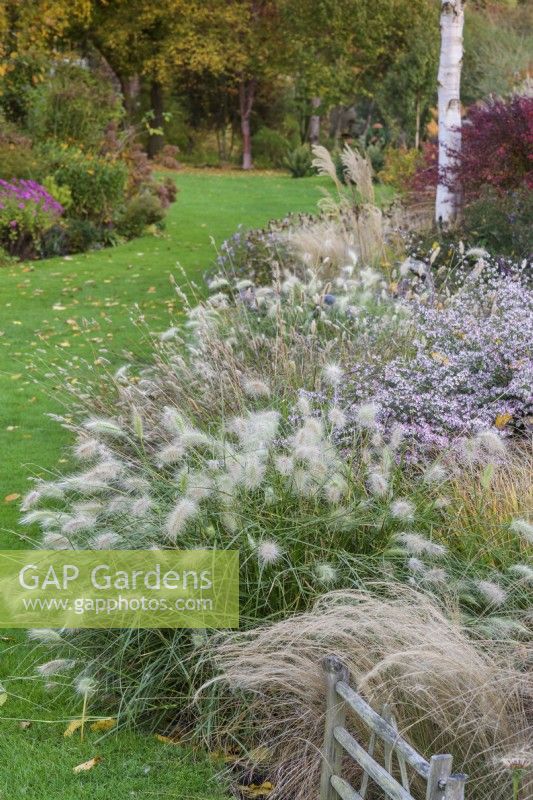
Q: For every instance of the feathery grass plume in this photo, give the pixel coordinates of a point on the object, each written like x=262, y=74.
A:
x=30, y=500
x=492, y=592
x=366, y=415
x=56, y=541
x=435, y=473
x=107, y=540
x=403, y=510
x=358, y=170
x=256, y=388
x=492, y=443
x=268, y=552
x=333, y=374
x=172, y=453
x=169, y=334
x=141, y=506
x=522, y=571
x=82, y=522
x=415, y=565
x=377, y=483
x=55, y=667
x=449, y=693
x=85, y=685
x=45, y=636
x=179, y=517
x=323, y=163
x=44, y=517
x=284, y=465
x=337, y=418
x=522, y=528
x=326, y=573
x=173, y=421
x=88, y=448
x=105, y=427
x=418, y=545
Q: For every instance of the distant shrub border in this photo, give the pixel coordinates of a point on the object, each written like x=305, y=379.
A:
x=27, y=212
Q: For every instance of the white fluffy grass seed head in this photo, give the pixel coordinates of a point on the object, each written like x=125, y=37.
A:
x=45, y=636
x=55, y=667
x=418, y=545
x=403, y=510
x=522, y=528
x=366, y=415
x=333, y=374
x=256, y=389
x=268, y=552
x=176, y=521
x=377, y=484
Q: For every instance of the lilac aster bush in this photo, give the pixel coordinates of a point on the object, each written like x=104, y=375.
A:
x=470, y=367
x=27, y=211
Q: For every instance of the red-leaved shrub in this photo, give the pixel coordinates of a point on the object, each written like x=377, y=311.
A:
x=496, y=150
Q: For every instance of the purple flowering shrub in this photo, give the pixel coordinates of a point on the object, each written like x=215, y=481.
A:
x=470, y=367
x=27, y=211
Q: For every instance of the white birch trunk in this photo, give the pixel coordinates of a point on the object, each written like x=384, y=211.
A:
x=449, y=84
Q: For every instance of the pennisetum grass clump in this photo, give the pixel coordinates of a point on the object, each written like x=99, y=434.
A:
x=325, y=426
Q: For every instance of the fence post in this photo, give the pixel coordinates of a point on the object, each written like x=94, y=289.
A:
x=455, y=787
x=334, y=671
x=440, y=768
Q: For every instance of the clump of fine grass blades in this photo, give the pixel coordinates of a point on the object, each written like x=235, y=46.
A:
x=448, y=692
x=236, y=436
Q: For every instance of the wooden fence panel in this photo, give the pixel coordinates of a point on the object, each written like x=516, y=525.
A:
x=437, y=772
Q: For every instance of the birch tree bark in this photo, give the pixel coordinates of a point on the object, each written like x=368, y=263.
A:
x=449, y=105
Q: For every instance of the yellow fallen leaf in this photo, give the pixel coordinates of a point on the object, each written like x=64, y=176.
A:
x=24, y=724
x=72, y=727
x=103, y=724
x=87, y=765
x=502, y=420
x=165, y=739
x=3, y=695
x=227, y=758
x=255, y=790
x=440, y=358
x=10, y=497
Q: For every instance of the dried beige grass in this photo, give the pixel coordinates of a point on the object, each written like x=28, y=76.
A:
x=449, y=692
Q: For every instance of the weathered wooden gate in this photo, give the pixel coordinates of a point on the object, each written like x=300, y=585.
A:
x=441, y=784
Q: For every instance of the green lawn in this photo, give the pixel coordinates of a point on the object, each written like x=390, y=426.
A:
x=78, y=310
x=44, y=305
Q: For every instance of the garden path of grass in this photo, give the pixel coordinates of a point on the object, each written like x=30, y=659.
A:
x=43, y=308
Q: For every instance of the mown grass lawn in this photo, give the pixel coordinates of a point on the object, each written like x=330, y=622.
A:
x=78, y=310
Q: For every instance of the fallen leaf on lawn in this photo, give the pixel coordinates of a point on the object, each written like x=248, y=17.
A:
x=165, y=739
x=104, y=724
x=24, y=724
x=440, y=358
x=256, y=790
x=227, y=758
x=3, y=695
x=502, y=420
x=72, y=727
x=10, y=497
x=87, y=765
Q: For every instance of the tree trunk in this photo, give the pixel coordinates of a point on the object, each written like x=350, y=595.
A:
x=156, y=139
x=129, y=85
x=314, y=122
x=246, y=100
x=449, y=104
